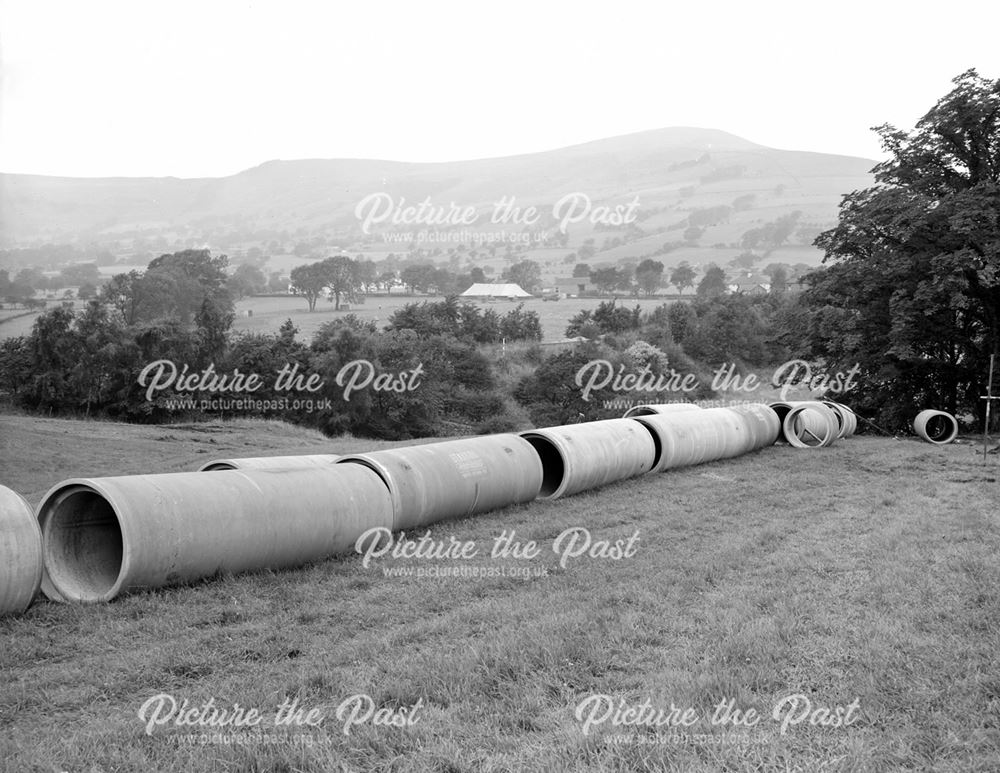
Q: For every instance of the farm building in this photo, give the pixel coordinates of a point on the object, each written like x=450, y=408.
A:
x=510, y=291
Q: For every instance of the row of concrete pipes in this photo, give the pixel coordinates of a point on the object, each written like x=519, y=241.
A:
x=91, y=539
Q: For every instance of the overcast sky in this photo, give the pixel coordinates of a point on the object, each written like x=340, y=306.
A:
x=211, y=87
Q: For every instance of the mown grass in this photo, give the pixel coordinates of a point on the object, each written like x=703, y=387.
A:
x=864, y=571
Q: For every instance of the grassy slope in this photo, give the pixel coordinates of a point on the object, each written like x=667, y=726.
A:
x=865, y=570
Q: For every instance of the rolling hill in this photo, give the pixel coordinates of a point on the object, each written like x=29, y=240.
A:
x=670, y=172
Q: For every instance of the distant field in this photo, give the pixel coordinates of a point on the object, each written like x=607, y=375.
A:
x=865, y=574
x=16, y=323
x=270, y=312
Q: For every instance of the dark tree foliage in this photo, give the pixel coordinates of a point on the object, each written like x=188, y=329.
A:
x=912, y=289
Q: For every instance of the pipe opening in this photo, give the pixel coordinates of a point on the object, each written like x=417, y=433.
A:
x=657, y=445
x=940, y=428
x=553, y=467
x=83, y=545
x=371, y=466
x=639, y=410
x=216, y=466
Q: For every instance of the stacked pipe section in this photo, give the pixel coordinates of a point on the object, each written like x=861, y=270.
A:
x=455, y=478
x=104, y=536
x=684, y=438
x=808, y=423
x=20, y=553
x=577, y=457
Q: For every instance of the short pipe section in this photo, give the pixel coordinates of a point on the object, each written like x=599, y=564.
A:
x=455, y=478
x=578, y=457
x=102, y=537
x=936, y=427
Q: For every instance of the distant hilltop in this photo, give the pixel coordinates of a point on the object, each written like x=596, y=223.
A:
x=675, y=174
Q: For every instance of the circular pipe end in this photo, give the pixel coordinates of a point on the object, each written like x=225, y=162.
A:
x=83, y=544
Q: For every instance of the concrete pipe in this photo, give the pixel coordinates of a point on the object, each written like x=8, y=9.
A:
x=765, y=426
x=847, y=421
x=454, y=479
x=936, y=427
x=649, y=410
x=269, y=462
x=104, y=536
x=689, y=438
x=810, y=425
x=578, y=457
x=20, y=553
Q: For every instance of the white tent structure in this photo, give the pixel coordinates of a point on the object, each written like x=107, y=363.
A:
x=510, y=291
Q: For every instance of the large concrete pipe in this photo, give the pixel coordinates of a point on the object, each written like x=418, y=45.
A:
x=269, y=462
x=454, y=479
x=847, y=420
x=936, y=427
x=20, y=553
x=649, y=410
x=578, y=457
x=810, y=425
x=104, y=536
x=688, y=438
x=806, y=423
x=765, y=427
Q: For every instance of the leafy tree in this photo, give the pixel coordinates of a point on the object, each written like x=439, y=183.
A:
x=420, y=277
x=550, y=392
x=649, y=275
x=682, y=276
x=309, y=281
x=526, y=273
x=247, y=279
x=713, y=282
x=581, y=270
x=521, y=325
x=912, y=289
x=342, y=278
x=779, y=278
x=609, y=279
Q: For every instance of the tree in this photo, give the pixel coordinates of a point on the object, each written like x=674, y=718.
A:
x=606, y=279
x=309, y=281
x=911, y=291
x=682, y=276
x=247, y=279
x=419, y=276
x=649, y=275
x=778, y=276
x=581, y=270
x=713, y=282
x=341, y=278
x=526, y=273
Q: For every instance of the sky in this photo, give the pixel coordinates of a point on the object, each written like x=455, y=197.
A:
x=209, y=88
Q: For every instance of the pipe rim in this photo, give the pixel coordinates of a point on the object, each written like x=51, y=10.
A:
x=924, y=427
x=56, y=498
x=794, y=439
x=551, y=443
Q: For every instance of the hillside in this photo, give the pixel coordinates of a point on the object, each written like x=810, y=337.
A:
x=279, y=204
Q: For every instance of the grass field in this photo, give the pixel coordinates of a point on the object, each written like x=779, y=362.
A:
x=270, y=312
x=866, y=573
